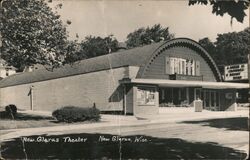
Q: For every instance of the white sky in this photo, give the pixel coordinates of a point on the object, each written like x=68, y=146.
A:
x=104, y=17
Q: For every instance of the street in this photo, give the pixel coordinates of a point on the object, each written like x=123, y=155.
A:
x=223, y=138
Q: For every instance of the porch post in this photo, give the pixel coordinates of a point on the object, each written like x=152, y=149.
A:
x=124, y=100
x=172, y=94
x=187, y=95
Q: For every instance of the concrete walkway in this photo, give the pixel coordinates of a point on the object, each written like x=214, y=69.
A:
x=186, y=114
x=116, y=120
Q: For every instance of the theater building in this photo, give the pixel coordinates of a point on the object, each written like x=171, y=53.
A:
x=134, y=81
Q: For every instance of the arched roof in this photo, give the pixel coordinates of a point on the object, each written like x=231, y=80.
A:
x=140, y=56
x=189, y=43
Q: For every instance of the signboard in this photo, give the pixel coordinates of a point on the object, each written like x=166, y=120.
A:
x=236, y=72
x=146, y=96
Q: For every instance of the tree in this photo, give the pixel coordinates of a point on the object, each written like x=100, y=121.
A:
x=235, y=8
x=144, y=36
x=96, y=46
x=31, y=34
x=91, y=47
x=209, y=46
x=233, y=47
x=74, y=52
x=229, y=48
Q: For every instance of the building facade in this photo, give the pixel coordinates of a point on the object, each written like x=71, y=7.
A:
x=133, y=81
x=6, y=71
x=238, y=73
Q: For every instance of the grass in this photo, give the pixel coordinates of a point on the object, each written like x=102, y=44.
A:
x=24, y=120
x=14, y=124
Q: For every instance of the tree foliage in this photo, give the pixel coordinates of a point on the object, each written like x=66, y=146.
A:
x=73, y=52
x=234, y=47
x=31, y=33
x=209, y=47
x=144, y=36
x=229, y=48
x=235, y=8
x=97, y=46
x=90, y=47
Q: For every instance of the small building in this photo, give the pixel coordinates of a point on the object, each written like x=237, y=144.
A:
x=134, y=81
x=6, y=71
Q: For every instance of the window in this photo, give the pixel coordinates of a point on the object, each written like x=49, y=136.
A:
x=192, y=67
x=146, y=96
x=172, y=71
x=183, y=66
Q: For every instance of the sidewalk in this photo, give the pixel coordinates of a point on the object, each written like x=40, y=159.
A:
x=170, y=116
x=186, y=114
x=105, y=122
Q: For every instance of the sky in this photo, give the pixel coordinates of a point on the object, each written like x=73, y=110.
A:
x=105, y=17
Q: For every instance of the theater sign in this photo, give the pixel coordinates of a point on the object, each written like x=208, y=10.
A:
x=236, y=72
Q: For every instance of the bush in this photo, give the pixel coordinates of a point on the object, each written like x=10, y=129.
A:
x=11, y=110
x=71, y=114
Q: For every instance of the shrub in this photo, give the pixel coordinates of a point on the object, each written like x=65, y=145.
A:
x=71, y=114
x=11, y=110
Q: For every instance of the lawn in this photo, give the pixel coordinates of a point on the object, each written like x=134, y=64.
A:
x=27, y=120
x=23, y=120
x=14, y=124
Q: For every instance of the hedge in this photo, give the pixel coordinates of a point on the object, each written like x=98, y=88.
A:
x=71, y=114
x=9, y=113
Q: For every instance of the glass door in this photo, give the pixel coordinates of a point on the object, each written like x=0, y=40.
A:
x=217, y=100
x=206, y=99
x=211, y=99
x=197, y=94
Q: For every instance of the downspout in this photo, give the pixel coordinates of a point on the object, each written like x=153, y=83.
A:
x=31, y=98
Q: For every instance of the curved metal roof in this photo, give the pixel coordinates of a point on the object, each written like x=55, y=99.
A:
x=139, y=56
x=184, y=42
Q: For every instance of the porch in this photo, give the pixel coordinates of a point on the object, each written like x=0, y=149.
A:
x=216, y=96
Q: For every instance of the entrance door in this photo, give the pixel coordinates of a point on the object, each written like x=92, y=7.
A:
x=215, y=100
x=165, y=96
x=197, y=94
x=173, y=96
x=206, y=99
x=211, y=99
